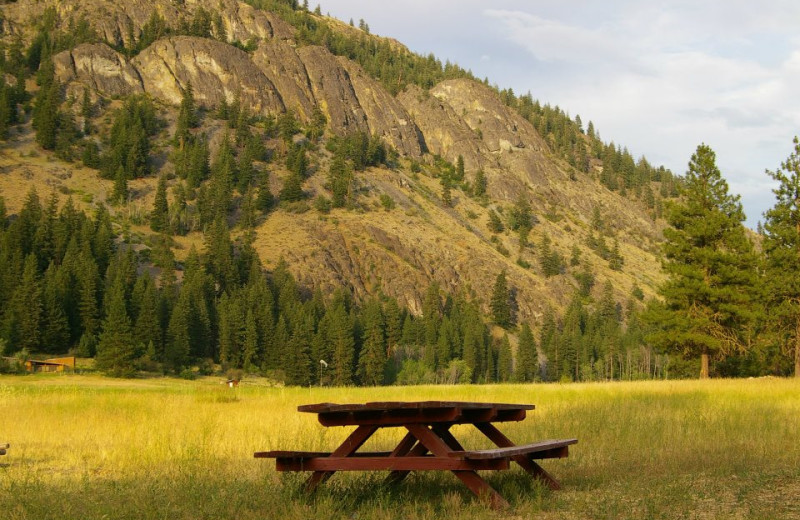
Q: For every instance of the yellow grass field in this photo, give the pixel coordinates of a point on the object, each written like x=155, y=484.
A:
x=91, y=447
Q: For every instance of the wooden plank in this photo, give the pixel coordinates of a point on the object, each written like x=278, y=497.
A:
x=395, y=418
x=406, y=405
x=410, y=447
x=533, y=469
x=438, y=446
x=480, y=487
x=354, y=441
x=330, y=464
x=554, y=446
x=313, y=454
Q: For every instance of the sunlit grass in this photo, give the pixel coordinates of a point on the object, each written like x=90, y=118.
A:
x=89, y=447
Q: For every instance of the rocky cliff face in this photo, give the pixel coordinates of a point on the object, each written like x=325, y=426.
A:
x=215, y=70
x=119, y=22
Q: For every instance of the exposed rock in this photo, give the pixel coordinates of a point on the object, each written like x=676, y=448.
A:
x=243, y=22
x=443, y=131
x=216, y=71
x=333, y=90
x=99, y=67
x=120, y=23
x=284, y=68
x=386, y=117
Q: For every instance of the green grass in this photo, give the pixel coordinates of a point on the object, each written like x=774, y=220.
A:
x=89, y=447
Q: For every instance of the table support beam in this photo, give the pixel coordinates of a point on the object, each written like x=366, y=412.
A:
x=532, y=468
x=350, y=445
x=439, y=447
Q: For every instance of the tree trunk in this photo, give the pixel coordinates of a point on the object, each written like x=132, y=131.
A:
x=704, y=366
x=797, y=351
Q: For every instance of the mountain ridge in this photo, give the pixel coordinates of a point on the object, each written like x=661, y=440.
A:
x=400, y=251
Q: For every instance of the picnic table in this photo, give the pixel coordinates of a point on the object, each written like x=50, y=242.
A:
x=428, y=444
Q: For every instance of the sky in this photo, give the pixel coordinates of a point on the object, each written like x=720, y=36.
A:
x=659, y=78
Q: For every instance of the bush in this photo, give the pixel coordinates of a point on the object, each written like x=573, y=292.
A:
x=387, y=202
x=414, y=372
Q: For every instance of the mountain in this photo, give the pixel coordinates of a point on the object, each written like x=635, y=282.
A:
x=591, y=202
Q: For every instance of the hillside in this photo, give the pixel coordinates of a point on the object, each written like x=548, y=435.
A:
x=475, y=181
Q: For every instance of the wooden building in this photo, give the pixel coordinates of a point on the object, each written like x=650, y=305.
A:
x=50, y=365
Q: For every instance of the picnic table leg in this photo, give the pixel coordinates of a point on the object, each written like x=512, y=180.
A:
x=407, y=447
x=347, y=448
x=434, y=441
x=411, y=448
x=535, y=470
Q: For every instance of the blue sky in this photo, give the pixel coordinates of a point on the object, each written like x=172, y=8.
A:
x=657, y=77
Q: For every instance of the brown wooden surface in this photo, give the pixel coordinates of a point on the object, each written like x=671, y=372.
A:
x=391, y=406
x=533, y=469
x=426, y=412
x=551, y=446
x=387, y=463
x=347, y=448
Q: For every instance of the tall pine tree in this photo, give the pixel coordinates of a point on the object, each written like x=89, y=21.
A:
x=782, y=248
x=708, y=300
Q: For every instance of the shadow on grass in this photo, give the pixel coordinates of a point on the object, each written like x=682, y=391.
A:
x=204, y=495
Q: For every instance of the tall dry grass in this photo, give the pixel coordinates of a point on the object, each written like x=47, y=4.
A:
x=89, y=447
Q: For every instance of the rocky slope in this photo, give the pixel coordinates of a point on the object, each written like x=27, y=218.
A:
x=399, y=252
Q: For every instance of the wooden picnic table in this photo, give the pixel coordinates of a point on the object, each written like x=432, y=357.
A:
x=427, y=445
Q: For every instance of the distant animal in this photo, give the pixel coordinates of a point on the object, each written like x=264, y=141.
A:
x=232, y=383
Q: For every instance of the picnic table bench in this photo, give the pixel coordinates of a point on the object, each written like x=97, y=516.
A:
x=427, y=445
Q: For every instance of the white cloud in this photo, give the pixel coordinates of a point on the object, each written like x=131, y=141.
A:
x=659, y=78
x=663, y=80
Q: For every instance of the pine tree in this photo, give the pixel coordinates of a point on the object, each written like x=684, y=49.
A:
x=708, y=307
x=55, y=329
x=116, y=351
x=373, y=354
x=23, y=319
x=526, y=355
x=459, y=175
x=505, y=363
x=500, y=303
x=479, y=185
x=782, y=248
x=292, y=190
x=120, y=193
x=343, y=345
x=159, y=218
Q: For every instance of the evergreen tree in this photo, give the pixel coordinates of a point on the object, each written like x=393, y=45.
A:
x=505, y=363
x=116, y=351
x=55, y=326
x=708, y=307
x=373, y=354
x=526, y=355
x=343, y=345
x=479, y=185
x=187, y=117
x=500, y=303
x=159, y=218
x=459, y=175
x=782, y=248
x=22, y=327
x=292, y=190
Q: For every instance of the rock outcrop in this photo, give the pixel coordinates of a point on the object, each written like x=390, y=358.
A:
x=215, y=70
x=100, y=67
x=120, y=23
x=443, y=131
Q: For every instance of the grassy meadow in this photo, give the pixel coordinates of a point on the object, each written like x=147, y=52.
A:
x=90, y=447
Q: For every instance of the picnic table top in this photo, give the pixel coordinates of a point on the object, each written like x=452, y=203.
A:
x=392, y=406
